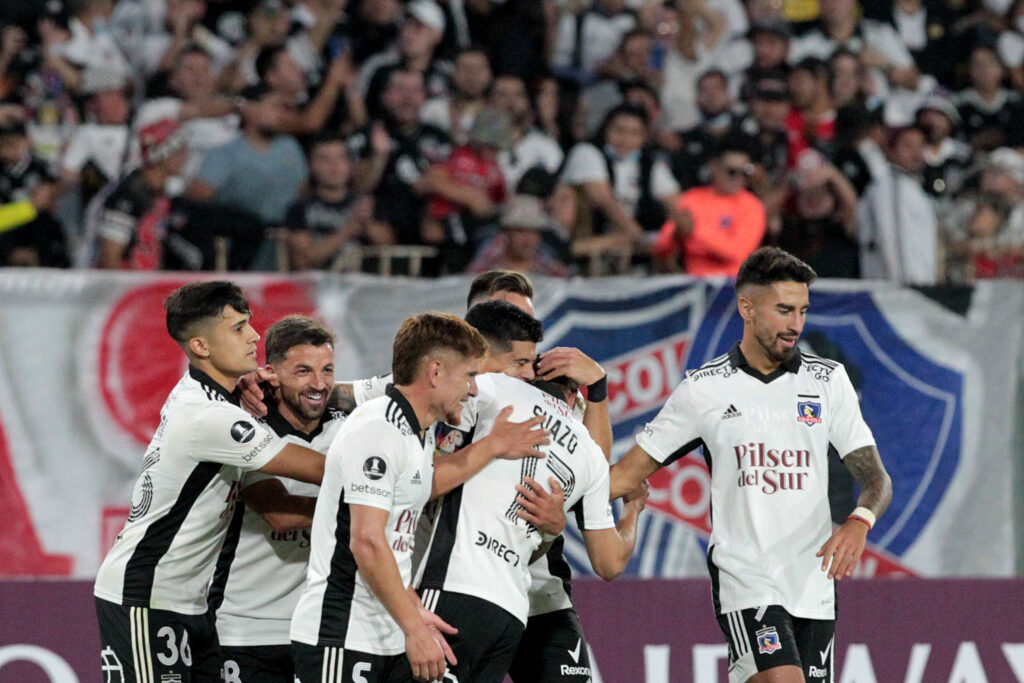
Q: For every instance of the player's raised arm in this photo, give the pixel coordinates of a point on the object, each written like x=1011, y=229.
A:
x=631, y=471
x=841, y=553
x=511, y=440
x=609, y=550
x=565, y=361
x=297, y=462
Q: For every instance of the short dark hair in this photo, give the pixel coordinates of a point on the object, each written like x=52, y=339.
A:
x=295, y=330
x=487, y=284
x=624, y=109
x=561, y=387
x=427, y=333
x=501, y=323
x=769, y=265
x=197, y=302
x=732, y=142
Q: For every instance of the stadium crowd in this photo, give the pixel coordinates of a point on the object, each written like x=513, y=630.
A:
x=878, y=140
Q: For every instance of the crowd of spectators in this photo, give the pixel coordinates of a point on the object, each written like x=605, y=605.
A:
x=876, y=139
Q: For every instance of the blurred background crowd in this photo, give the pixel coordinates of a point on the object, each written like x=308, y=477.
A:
x=875, y=139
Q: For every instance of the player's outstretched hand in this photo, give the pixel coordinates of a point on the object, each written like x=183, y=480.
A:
x=251, y=394
x=544, y=510
x=516, y=440
x=841, y=553
x=426, y=656
x=565, y=361
x=638, y=496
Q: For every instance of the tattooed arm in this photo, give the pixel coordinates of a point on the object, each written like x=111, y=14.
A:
x=343, y=398
x=875, y=485
x=841, y=553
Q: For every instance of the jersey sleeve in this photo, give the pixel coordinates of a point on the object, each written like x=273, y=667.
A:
x=847, y=429
x=226, y=434
x=365, y=389
x=593, y=511
x=372, y=458
x=674, y=431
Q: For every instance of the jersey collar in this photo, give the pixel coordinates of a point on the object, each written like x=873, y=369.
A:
x=740, y=362
x=282, y=427
x=406, y=408
x=210, y=384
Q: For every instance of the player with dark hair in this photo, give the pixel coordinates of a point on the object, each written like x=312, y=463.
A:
x=151, y=588
x=768, y=414
x=262, y=566
x=501, y=285
x=356, y=618
x=483, y=589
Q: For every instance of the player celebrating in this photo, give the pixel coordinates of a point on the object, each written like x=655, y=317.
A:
x=768, y=414
x=356, y=616
x=151, y=588
x=262, y=567
x=476, y=571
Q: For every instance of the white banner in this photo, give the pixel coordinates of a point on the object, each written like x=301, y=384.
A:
x=86, y=363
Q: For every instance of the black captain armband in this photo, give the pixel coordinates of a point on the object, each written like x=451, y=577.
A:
x=598, y=391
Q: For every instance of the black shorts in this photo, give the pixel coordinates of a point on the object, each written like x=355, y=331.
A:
x=552, y=649
x=257, y=664
x=151, y=645
x=762, y=638
x=487, y=639
x=324, y=664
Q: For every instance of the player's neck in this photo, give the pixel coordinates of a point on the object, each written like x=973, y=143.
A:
x=418, y=396
x=228, y=381
x=297, y=422
x=757, y=358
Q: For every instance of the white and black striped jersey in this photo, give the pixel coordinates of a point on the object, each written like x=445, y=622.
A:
x=480, y=546
x=260, y=572
x=184, y=499
x=382, y=458
x=550, y=582
x=766, y=439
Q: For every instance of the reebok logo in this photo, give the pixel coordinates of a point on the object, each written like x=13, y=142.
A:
x=731, y=412
x=575, y=652
x=824, y=653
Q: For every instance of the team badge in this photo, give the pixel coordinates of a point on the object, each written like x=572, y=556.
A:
x=374, y=468
x=808, y=412
x=768, y=640
x=243, y=431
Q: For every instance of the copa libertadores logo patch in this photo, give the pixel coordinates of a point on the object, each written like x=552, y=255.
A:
x=243, y=431
x=374, y=468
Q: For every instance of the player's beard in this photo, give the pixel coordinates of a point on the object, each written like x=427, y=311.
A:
x=302, y=409
x=772, y=348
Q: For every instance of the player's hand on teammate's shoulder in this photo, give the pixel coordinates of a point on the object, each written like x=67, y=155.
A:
x=841, y=553
x=543, y=509
x=250, y=391
x=516, y=440
x=638, y=496
x=566, y=361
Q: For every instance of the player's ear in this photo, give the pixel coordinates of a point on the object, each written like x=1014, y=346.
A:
x=198, y=347
x=745, y=307
x=434, y=372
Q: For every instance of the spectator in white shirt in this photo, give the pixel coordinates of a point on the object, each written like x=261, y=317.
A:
x=898, y=223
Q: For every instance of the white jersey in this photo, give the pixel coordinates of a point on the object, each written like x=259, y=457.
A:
x=184, y=498
x=480, y=546
x=550, y=576
x=381, y=458
x=261, y=572
x=766, y=439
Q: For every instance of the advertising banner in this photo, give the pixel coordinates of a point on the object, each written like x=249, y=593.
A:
x=85, y=364
x=639, y=631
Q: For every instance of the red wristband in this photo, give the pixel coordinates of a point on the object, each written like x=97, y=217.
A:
x=860, y=519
